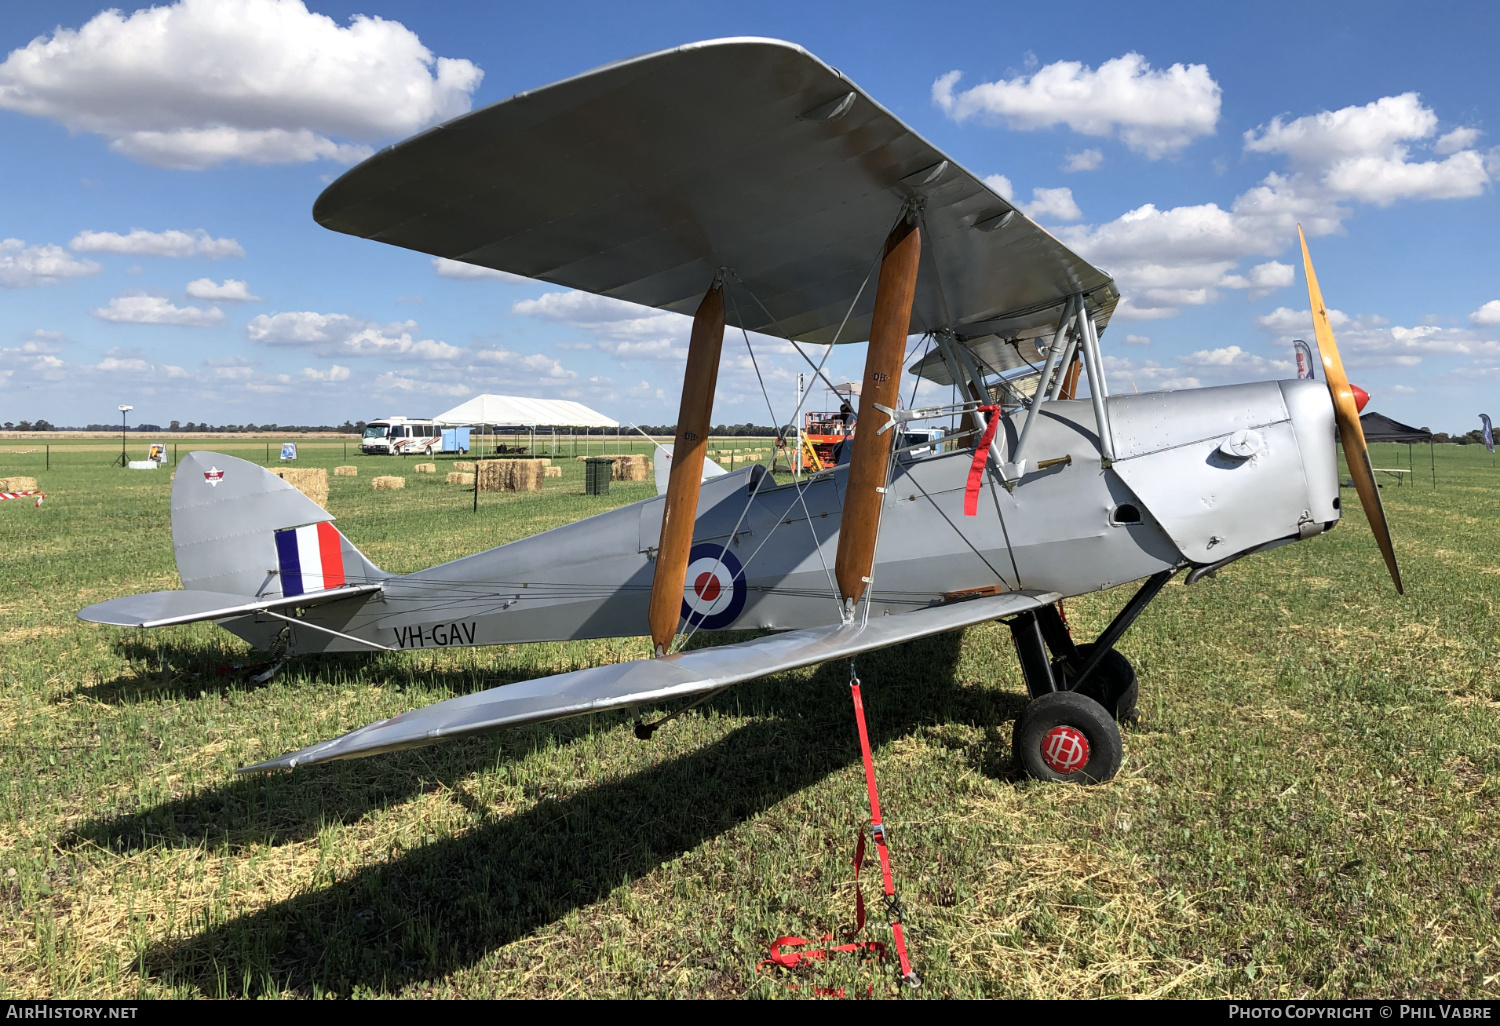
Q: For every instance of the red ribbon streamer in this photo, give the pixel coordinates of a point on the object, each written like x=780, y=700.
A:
x=981, y=455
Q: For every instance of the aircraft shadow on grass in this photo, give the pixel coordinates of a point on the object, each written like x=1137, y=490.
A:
x=434, y=910
x=185, y=670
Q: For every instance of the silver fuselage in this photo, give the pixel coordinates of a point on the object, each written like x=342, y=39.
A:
x=1171, y=498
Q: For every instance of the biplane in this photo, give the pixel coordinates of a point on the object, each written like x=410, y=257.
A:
x=748, y=184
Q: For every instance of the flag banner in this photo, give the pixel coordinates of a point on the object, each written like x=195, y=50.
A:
x=1304, y=359
x=1488, y=432
x=310, y=558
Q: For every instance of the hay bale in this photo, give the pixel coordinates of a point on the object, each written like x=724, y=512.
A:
x=389, y=483
x=492, y=475
x=510, y=475
x=425, y=468
x=526, y=475
x=630, y=468
x=553, y=471
x=460, y=478
x=17, y=484
x=754, y=457
x=463, y=467
x=544, y=461
x=310, y=481
x=345, y=471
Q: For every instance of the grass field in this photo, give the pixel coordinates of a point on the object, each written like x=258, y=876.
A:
x=1308, y=808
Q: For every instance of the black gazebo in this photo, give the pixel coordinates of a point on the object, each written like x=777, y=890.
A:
x=1380, y=428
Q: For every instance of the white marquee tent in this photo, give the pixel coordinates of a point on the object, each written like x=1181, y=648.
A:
x=519, y=411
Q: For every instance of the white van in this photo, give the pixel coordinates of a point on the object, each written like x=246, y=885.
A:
x=402, y=436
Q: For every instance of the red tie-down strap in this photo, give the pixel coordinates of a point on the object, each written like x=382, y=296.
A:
x=790, y=952
x=981, y=455
x=877, y=828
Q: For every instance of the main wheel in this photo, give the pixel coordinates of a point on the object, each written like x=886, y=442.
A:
x=1067, y=738
x=1113, y=684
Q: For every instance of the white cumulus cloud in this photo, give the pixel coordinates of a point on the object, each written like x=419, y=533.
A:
x=121, y=361
x=138, y=308
x=22, y=266
x=332, y=375
x=1487, y=315
x=393, y=383
x=1234, y=361
x=1085, y=160
x=1263, y=279
x=446, y=268
x=1369, y=341
x=1052, y=203
x=1167, y=258
x=199, y=82
x=1458, y=139
x=1155, y=112
x=623, y=329
x=1363, y=153
x=231, y=290
x=340, y=335
x=172, y=243
x=1000, y=185
x=536, y=363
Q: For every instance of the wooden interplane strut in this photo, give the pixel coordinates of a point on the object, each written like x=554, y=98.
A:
x=882, y=387
x=680, y=511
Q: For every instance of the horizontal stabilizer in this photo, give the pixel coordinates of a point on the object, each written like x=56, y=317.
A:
x=168, y=608
x=649, y=681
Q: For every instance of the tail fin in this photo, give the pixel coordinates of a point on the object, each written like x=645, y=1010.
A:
x=238, y=529
x=664, y=468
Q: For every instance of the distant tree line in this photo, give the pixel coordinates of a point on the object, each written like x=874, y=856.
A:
x=1471, y=438
x=347, y=427
x=730, y=430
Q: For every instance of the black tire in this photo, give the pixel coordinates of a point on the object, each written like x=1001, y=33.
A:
x=1067, y=738
x=1113, y=684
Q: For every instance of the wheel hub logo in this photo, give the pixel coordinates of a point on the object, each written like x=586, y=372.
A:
x=1065, y=749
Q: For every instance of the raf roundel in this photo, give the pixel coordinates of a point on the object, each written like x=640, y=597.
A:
x=715, y=592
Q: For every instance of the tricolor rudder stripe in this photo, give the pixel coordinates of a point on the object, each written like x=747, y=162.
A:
x=311, y=558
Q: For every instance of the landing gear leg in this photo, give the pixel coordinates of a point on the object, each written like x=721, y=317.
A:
x=1068, y=733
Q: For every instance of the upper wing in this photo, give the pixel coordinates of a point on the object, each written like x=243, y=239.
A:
x=640, y=179
x=650, y=680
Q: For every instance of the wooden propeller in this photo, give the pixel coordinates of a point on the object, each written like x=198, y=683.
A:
x=1346, y=412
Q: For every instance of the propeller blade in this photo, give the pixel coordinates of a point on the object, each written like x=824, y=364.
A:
x=1346, y=412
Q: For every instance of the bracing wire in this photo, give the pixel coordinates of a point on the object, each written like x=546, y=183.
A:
x=818, y=369
x=770, y=408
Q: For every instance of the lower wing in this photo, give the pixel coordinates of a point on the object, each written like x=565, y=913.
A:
x=647, y=681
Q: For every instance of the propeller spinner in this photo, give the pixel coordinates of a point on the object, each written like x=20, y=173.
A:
x=1346, y=409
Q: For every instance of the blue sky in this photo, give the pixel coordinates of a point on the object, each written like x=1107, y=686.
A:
x=160, y=169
